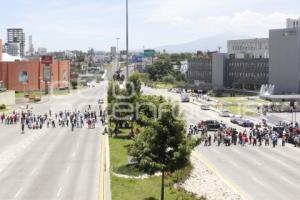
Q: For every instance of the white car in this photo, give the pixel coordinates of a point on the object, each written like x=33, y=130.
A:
x=205, y=107
x=224, y=113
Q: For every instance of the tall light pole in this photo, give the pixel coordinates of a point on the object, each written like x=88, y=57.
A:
x=117, y=55
x=127, y=43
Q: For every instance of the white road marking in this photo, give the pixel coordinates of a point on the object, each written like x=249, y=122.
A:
x=258, y=181
x=68, y=169
x=59, y=191
x=234, y=164
x=288, y=181
x=18, y=193
x=34, y=171
x=73, y=154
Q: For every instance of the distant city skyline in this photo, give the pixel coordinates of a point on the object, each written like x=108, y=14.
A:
x=74, y=24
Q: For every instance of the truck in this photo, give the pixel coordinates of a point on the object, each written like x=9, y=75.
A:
x=185, y=97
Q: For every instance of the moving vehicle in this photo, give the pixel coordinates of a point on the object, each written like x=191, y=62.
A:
x=185, y=97
x=235, y=119
x=224, y=113
x=205, y=107
x=246, y=123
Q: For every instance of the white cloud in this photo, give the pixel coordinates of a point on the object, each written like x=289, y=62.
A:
x=246, y=22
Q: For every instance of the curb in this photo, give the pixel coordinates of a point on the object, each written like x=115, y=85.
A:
x=225, y=179
x=104, y=192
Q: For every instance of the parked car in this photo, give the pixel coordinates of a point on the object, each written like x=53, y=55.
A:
x=212, y=125
x=205, y=107
x=235, y=119
x=101, y=101
x=246, y=123
x=224, y=113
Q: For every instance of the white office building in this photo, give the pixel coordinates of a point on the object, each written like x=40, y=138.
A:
x=14, y=36
x=292, y=23
x=249, y=48
x=13, y=49
x=42, y=51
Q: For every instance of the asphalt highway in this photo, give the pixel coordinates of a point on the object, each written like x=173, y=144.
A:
x=52, y=163
x=261, y=173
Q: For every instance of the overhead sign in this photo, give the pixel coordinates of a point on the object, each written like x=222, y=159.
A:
x=47, y=60
x=47, y=73
x=149, y=52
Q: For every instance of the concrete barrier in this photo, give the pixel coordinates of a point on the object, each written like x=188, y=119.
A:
x=8, y=98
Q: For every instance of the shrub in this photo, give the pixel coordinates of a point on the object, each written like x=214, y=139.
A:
x=2, y=107
x=74, y=84
x=169, y=79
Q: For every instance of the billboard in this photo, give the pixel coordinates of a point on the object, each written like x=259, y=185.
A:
x=149, y=53
x=47, y=60
x=47, y=74
x=137, y=58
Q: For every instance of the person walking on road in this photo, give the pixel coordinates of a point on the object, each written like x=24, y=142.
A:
x=23, y=127
x=274, y=138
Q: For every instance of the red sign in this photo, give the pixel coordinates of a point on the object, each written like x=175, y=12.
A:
x=47, y=60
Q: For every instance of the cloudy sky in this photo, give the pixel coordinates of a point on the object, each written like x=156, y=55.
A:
x=80, y=24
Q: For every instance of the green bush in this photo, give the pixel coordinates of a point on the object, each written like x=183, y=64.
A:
x=169, y=79
x=2, y=107
x=181, y=175
x=74, y=84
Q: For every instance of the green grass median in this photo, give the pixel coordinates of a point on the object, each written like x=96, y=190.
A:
x=139, y=189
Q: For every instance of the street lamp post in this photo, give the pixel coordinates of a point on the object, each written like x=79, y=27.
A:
x=117, y=55
x=127, y=42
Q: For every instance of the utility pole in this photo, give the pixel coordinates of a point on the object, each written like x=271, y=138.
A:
x=127, y=43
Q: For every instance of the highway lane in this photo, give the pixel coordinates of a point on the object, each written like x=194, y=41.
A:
x=260, y=172
x=52, y=163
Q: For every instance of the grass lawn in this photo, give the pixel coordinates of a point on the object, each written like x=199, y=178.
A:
x=240, y=105
x=60, y=92
x=141, y=189
x=242, y=100
x=161, y=85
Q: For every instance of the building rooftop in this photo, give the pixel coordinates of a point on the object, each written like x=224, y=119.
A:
x=8, y=58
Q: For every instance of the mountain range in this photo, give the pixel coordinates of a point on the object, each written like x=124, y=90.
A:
x=204, y=44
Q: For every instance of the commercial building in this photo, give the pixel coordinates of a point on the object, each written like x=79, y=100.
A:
x=292, y=23
x=1, y=50
x=249, y=48
x=13, y=49
x=199, y=71
x=113, y=51
x=42, y=51
x=284, y=69
x=16, y=35
x=29, y=75
x=30, y=46
x=248, y=74
x=222, y=71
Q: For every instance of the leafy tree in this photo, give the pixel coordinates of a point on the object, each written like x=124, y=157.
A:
x=169, y=79
x=159, y=69
x=163, y=145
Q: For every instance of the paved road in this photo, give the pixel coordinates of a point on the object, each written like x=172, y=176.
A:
x=260, y=172
x=52, y=163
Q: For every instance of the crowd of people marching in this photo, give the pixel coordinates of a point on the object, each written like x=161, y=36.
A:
x=64, y=119
x=259, y=135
